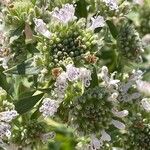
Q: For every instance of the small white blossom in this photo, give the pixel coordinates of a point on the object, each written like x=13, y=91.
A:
x=109, y=81
x=8, y=116
x=118, y=124
x=4, y=130
x=45, y=137
x=146, y=104
x=112, y=4
x=136, y=75
x=97, y=21
x=113, y=97
x=72, y=72
x=95, y=143
x=65, y=14
x=143, y=86
x=85, y=76
x=120, y=114
x=61, y=84
x=105, y=136
x=41, y=27
x=49, y=107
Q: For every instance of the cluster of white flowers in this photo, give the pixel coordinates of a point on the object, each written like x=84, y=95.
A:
x=72, y=74
x=8, y=116
x=49, y=107
x=109, y=81
x=96, y=143
x=112, y=4
x=145, y=102
x=65, y=14
x=46, y=136
x=132, y=82
x=40, y=27
x=97, y=22
x=5, y=118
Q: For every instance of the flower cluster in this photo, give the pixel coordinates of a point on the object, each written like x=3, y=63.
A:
x=72, y=74
x=49, y=107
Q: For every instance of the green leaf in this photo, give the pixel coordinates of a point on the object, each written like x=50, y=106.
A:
x=24, y=68
x=3, y=81
x=81, y=9
x=26, y=104
x=112, y=28
x=94, y=81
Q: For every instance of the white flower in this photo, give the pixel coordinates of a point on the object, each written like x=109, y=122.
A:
x=112, y=4
x=97, y=21
x=65, y=14
x=85, y=76
x=4, y=130
x=49, y=107
x=72, y=72
x=143, y=86
x=95, y=143
x=105, y=136
x=61, y=84
x=146, y=104
x=8, y=116
x=118, y=124
x=41, y=27
x=136, y=75
x=120, y=114
x=109, y=81
x=46, y=136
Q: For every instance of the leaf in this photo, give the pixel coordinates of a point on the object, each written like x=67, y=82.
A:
x=112, y=28
x=94, y=81
x=3, y=81
x=33, y=2
x=28, y=33
x=26, y=104
x=24, y=68
x=81, y=9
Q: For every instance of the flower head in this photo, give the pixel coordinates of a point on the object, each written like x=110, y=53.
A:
x=40, y=27
x=72, y=72
x=85, y=76
x=112, y=4
x=8, y=116
x=65, y=14
x=97, y=21
x=49, y=107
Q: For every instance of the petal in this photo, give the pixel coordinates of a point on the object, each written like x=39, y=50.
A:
x=118, y=124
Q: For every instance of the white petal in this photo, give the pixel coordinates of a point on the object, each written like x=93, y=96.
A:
x=146, y=104
x=105, y=136
x=120, y=114
x=118, y=124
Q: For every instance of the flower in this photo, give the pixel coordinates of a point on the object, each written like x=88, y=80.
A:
x=8, y=116
x=118, y=124
x=97, y=21
x=41, y=28
x=109, y=81
x=46, y=136
x=4, y=130
x=72, y=72
x=61, y=84
x=95, y=143
x=65, y=14
x=112, y=4
x=49, y=107
x=145, y=102
x=85, y=76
